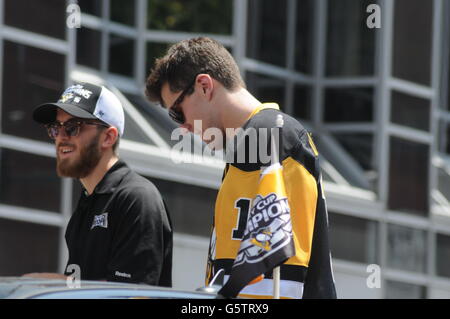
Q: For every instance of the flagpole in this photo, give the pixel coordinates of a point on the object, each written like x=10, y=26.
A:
x=276, y=271
x=276, y=282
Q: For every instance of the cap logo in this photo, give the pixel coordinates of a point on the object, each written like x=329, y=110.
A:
x=66, y=97
x=70, y=93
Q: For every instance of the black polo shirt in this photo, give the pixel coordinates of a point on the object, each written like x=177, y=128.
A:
x=122, y=231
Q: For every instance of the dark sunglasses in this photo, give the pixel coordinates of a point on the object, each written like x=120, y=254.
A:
x=71, y=127
x=175, y=112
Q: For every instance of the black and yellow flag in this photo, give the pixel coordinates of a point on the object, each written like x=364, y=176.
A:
x=267, y=241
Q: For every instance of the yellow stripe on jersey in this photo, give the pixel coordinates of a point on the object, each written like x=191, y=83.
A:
x=264, y=106
x=313, y=146
x=301, y=190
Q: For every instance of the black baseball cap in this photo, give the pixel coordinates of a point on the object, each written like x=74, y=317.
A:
x=87, y=101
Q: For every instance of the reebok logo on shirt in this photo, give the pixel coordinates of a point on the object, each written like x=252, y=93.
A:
x=122, y=274
x=100, y=221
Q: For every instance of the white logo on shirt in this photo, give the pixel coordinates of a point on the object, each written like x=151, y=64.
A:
x=100, y=221
x=122, y=274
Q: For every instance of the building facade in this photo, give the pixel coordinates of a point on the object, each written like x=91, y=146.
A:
x=369, y=78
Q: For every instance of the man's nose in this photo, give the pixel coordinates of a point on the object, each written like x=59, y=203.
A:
x=62, y=135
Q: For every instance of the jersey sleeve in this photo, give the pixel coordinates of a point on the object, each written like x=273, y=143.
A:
x=310, y=213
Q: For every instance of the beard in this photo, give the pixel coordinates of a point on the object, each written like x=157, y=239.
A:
x=82, y=166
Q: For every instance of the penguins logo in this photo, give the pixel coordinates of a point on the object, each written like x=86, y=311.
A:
x=262, y=239
x=66, y=97
x=268, y=229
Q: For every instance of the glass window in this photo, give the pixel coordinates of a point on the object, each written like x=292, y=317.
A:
x=447, y=136
x=448, y=76
x=304, y=43
x=348, y=105
x=443, y=136
x=34, y=76
x=412, y=40
x=359, y=145
x=121, y=55
x=200, y=16
x=154, y=51
x=47, y=17
x=29, y=180
x=402, y=290
x=266, y=31
x=350, y=45
x=134, y=132
x=442, y=255
x=440, y=136
x=266, y=88
x=93, y=7
x=410, y=111
x=408, y=176
x=27, y=247
x=123, y=11
x=302, y=102
x=157, y=117
x=444, y=181
x=191, y=207
x=406, y=248
x=353, y=238
x=89, y=47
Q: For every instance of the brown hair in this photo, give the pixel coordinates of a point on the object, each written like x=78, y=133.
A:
x=188, y=58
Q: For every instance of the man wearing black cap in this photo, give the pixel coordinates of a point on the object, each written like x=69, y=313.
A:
x=120, y=230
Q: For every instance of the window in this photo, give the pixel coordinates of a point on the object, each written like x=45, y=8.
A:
x=29, y=180
x=89, y=47
x=406, y=248
x=266, y=31
x=412, y=40
x=353, y=238
x=93, y=7
x=47, y=17
x=350, y=45
x=31, y=77
x=200, y=16
x=410, y=111
x=349, y=105
x=191, y=208
x=359, y=146
x=442, y=255
x=155, y=115
x=266, y=88
x=401, y=290
x=123, y=11
x=443, y=136
x=302, y=102
x=121, y=55
x=447, y=137
x=443, y=179
x=154, y=51
x=304, y=42
x=133, y=132
x=27, y=247
x=408, y=176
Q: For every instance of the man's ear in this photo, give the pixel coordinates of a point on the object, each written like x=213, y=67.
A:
x=111, y=136
x=206, y=84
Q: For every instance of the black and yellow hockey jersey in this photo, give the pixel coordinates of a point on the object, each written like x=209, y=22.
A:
x=308, y=274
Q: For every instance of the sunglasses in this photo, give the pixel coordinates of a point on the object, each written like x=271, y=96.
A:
x=71, y=127
x=175, y=112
